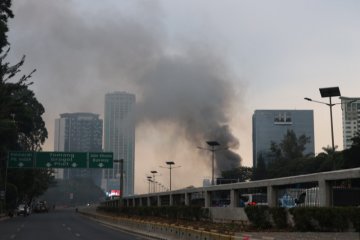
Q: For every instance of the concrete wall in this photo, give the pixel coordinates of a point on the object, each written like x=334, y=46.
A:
x=227, y=214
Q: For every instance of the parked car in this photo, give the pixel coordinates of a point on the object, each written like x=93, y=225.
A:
x=23, y=209
x=41, y=206
x=252, y=199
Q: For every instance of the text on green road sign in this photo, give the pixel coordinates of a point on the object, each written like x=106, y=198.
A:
x=100, y=160
x=21, y=160
x=61, y=160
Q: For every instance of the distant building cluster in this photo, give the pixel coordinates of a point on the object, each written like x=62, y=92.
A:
x=272, y=125
x=84, y=132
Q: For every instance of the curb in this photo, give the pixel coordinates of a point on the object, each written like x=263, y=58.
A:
x=164, y=231
x=95, y=217
x=3, y=217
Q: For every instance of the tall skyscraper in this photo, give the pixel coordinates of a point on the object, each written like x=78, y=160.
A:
x=119, y=138
x=272, y=125
x=78, y=132
x=350, y=119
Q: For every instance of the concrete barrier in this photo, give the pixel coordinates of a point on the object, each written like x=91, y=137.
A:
x=227, y=214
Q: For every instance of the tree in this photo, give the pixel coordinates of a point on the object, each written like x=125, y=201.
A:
x=287, y=157
x=5, y=14
x=259, y=171
x=241, y=174
x=351, y=155
x=21, y=123
x=290, y=147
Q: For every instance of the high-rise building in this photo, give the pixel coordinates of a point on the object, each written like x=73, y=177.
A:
x=272, y=125
x=78, y=132
x=119, y=138
x=350, y=119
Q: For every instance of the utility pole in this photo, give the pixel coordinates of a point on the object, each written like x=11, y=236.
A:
x=121, y=180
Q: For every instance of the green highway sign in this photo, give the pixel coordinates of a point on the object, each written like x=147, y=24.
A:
x=61, y=160
x=21, y=160
x=100, y=160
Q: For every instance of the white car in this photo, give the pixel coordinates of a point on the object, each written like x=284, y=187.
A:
x=23, y=209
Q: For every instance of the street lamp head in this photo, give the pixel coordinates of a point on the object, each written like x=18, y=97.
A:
x=153, y=172
x=149, y=177
x=308, y=99
x=213, y=143
x=330, y=92
x=170, y=163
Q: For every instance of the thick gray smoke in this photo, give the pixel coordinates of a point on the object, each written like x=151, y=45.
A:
x=194, y=91
x=81, y=54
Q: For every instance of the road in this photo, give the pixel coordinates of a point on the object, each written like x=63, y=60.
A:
x=59, y=225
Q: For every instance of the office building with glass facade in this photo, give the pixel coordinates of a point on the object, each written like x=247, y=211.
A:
x=119, y=138
x=272, y=125
x=78, y=132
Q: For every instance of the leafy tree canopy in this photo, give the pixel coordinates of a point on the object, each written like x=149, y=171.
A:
x=291, y=147
x=240, y=174
x=21, y=124
x=259, y=171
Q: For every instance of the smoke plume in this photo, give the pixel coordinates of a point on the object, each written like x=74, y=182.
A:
x=81, y=54
x=194, y=91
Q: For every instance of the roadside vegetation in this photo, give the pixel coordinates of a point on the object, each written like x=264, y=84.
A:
x=288, y=159
x=318, y=219
x=194, y=217
x=22, y=127
x=261, y=218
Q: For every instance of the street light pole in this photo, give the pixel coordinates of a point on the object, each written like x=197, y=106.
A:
x=329, y=92
x=212, y=149
x=149, y=180
x=332, y=127
x=121, y=180
x=170, y=163
x=154, y=182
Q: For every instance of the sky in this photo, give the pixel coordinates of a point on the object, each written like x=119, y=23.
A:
x=197, y=67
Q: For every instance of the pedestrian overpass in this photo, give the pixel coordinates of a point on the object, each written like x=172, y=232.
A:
x=324, y=189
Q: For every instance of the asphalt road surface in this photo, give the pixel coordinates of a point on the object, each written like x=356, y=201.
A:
x=62, y=224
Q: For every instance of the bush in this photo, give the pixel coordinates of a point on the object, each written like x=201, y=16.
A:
x=259, y=216
x=279, y=216
x=302, y=218
x=354, y=215
x=170, y=212
x=324, y=218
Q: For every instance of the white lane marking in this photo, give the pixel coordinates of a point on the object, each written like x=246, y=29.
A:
x=64, y=225
x=69, y=228
x=77, y=234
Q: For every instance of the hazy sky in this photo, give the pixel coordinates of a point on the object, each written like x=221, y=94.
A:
x=205, y=63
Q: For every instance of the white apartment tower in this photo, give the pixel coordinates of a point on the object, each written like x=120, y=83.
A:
x=350, y=118
x=119, y=138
